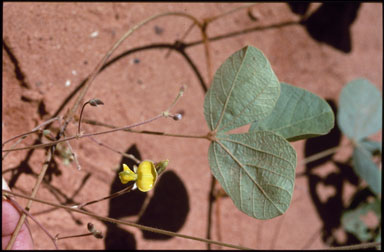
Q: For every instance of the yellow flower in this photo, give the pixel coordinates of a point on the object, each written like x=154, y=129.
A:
x=127, y=175
x=145, y=175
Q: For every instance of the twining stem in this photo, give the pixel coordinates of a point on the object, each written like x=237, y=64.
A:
x=130, y=156
x=142, y=227
x=211, y=19
x=94, y=122
x=81, y=96
x=211, y=198
x=93, y=102
x=146, y=228
x=23, y=136
x=29, y=203
x=242, y=32
x=73, y=236
x=207, y=51
x=85, y=135
x=111, y=51
x=125, y=128
x=37, y=128
x=181, y=39
x=81, y=116
x=111, y=196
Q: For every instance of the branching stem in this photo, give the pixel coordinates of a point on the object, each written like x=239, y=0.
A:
x=142, y=227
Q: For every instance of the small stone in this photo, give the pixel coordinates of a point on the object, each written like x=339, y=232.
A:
x=158, y=30
x=177, y=117
x=94, y=34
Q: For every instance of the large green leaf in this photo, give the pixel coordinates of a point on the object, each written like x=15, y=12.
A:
x=360, y=109
x=298, y=114
x=256, y=169
x=244, y=89
x=351, y=220
x=372, y=146
x=366, y=168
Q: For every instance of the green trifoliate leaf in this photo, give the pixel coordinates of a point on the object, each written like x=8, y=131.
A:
x=244, y=89
x=256, y=169
x=360, y=109
x=298, y=114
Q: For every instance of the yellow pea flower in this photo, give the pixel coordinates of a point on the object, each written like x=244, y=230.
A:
x=145, y=175
x=127, y=175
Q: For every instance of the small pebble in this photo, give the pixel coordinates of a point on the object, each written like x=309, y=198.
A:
x=94, y=34
x=158, y=30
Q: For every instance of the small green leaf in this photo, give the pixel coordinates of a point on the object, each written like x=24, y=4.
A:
x=353, y=224
x=298, y=114
x=244, y=89
x=360, y=109
x=366, y=168
x=256, y=169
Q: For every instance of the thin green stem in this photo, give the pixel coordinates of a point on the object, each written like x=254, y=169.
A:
x=142, y=227
x=320, y=155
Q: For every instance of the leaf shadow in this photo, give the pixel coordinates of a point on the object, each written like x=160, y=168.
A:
x=330, y=23
x=24, y=168
x=128, y=204
x=167, y=209
x=329, y=210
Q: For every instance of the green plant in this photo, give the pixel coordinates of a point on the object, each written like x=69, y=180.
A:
x=360, y=115
x=257, y=168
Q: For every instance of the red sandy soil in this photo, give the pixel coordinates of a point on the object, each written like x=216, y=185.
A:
x=57, y=43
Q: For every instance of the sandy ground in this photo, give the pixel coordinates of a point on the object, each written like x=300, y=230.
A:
x=50, y=48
